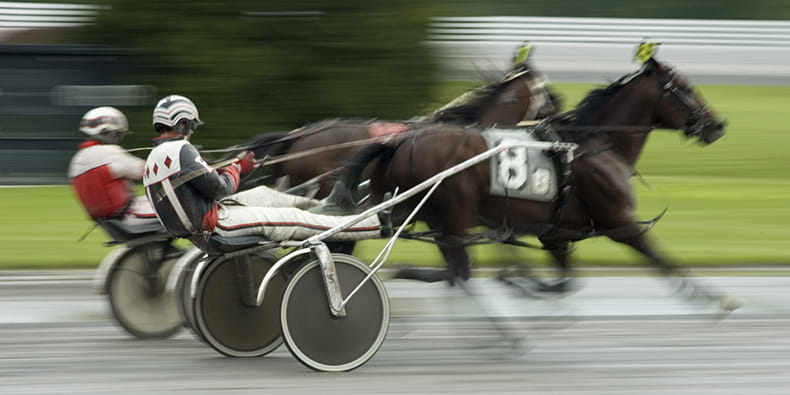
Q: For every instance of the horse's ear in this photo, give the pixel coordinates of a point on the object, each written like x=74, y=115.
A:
x=646, y=51
x=522, y=53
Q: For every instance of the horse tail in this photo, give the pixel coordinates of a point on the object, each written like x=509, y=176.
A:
x=356, y=165
x=349, y=179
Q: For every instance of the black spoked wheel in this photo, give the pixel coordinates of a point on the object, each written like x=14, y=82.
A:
x=322, y=341
x=137, y=294
x=228, y=320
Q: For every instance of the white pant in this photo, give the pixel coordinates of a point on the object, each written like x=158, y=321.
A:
x=139, y=212
x=264, y=196
x=271, y=213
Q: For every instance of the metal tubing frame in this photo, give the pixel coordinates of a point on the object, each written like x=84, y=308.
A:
x=331, y=282
x=275, y=269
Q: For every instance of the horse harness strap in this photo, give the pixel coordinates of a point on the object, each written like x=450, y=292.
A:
x=566, y=177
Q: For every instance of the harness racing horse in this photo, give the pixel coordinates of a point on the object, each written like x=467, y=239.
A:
x=611, y=127
x=313, y=152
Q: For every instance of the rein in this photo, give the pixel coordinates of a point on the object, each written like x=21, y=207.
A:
x=292, y=135
x=302, y=154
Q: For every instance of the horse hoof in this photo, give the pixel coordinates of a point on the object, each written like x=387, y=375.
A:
x=560, y=286
x=729, y=303
x=424, y=274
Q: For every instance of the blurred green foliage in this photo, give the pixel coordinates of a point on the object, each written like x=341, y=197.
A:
x=254, y=67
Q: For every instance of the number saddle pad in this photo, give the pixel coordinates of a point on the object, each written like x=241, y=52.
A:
x=521, y=172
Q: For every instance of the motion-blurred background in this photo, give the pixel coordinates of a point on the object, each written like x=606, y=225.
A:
x=264, y=66
x=259, y=66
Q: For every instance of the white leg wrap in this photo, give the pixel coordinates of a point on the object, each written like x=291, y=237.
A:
x=263, y=196
x=290, y=223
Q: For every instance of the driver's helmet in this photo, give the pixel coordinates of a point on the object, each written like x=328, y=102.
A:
x=105, y=124
x=173, y=109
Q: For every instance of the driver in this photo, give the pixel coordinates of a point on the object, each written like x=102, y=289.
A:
x=103, y=173
x=191, y=197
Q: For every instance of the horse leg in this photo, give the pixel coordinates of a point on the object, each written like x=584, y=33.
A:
x=458, y=271
x=695, y=290
x=459, y=264
x=506, y=332
x=343, y=247
x=532, y=286
x=560, y=252
x=456, y=259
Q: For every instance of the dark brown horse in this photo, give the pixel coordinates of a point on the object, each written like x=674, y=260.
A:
x=322, y=148
x=611, y=127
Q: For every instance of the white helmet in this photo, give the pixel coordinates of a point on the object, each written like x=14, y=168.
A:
x=103, y=119
x=173, y=109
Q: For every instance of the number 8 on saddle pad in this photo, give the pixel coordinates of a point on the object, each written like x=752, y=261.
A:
x=521, y=172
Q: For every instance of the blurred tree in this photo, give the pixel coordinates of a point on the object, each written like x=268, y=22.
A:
x=253, y=67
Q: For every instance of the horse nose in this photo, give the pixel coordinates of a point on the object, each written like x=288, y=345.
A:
x=722, y=125
x=716, y=132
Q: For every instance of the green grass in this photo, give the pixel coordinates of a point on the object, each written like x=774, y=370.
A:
x=729, y=203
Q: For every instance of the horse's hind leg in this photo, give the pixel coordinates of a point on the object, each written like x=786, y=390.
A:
x=459, y=264
x=458, y=272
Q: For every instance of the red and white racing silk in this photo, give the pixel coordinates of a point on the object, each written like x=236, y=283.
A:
x=103, y=177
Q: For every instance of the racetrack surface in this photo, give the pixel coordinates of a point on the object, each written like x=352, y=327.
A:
x=626, y=335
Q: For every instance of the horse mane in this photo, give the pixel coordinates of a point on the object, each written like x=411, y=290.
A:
x=466, y=109
x=588, y=111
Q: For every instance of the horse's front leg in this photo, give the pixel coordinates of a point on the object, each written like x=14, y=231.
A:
x=560, y=252
x=693, y=289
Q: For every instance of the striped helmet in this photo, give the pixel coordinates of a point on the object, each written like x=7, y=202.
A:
x=174, y=108
x=103, y=119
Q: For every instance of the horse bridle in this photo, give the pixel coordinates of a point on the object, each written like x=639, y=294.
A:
x=536, y=85
x=698, y=120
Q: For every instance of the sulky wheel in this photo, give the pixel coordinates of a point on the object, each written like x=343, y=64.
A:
x=137, y=294
x=183, y=289
x=322, y=341
x=225, y=313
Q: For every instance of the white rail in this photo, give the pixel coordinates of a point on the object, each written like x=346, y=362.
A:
x=19, y=15
x=600, y=49
x=611, y=30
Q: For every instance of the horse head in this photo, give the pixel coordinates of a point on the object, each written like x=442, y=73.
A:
x=522, y=95
x=531, y=82
x=679, y=107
